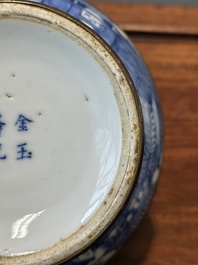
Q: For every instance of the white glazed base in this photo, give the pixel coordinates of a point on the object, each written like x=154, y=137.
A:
x=74, y=136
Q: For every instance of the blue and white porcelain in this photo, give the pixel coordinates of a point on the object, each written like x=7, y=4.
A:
x=80, y=134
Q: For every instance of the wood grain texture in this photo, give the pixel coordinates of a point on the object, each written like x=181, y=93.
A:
x=152, y=18
x=168, y=233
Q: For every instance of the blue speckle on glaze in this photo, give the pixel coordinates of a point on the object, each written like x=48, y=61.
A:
x=101, y=251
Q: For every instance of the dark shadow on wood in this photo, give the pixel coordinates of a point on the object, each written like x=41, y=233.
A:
x=137, y=246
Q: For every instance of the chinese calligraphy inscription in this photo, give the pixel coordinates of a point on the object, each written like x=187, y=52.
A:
x=2, y=124
x=22, y=122
x=2, y=157
x=22, y=151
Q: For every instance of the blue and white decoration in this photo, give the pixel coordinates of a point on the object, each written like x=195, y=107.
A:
x=21, y=124
x=106, y=247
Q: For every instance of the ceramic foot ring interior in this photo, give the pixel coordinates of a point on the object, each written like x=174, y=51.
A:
x=70, y=135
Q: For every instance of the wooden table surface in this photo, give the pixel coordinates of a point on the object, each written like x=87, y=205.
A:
x=168, y=234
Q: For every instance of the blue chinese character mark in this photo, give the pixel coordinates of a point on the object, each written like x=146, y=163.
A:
x=23, y=153
x=4, y=156
x=1, y=125
x=22, y=123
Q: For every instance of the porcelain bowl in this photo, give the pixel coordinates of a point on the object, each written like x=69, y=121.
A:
x=80, y=134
